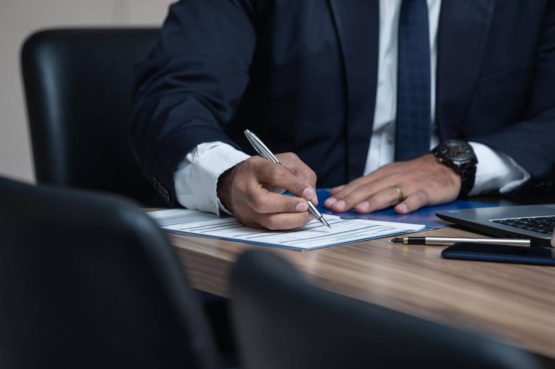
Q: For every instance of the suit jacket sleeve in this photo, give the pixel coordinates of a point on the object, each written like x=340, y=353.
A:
x=188, y=88
x=531, y=142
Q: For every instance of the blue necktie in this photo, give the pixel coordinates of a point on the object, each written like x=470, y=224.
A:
x=413, y=127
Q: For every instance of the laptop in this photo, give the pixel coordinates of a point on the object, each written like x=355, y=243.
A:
x=535, y=222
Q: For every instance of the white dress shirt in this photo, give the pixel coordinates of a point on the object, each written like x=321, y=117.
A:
x=197, y=175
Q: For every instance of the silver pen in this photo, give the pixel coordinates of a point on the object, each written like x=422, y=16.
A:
x=263, y=151
x=446, y=241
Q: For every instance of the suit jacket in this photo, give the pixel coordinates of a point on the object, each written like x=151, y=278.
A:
x=302, y=75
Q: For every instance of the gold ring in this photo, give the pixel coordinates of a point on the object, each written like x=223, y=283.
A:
x=400, y=194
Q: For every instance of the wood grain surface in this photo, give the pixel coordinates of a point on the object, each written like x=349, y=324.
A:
x=515, y=303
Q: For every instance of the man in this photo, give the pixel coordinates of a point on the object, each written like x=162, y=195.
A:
x=360, y=90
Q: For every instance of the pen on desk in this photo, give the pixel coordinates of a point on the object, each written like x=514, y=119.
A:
x=263, y=151
x=446, y=241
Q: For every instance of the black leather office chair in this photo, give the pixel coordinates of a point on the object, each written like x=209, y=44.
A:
x=282, y=322
x=78, y=86
x=89, y=281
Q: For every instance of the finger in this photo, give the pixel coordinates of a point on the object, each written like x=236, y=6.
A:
x=381, y=200
x=354, y=197
x=337, y=189
x=337, y=201
x=363, y=193
x=262, y=201
x=299, y=168
x=352, y=186
x=331, y=198
x=379, y=174
x=340, y=192
x=296, y=166
x=284, y=221
x=413, y=202
x=277, y=175
x=310, y=194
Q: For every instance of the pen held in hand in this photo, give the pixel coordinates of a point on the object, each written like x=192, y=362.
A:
x=447, y=241
x=264, y=152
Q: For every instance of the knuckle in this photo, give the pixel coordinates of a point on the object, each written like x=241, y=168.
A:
x=274, y=176
x=394, y=199
x=311, y=175
x=350, y=200
x=399, y=178
x=250, y=223
x=421, y=197
x=286, y=158
x=291, y=156
x=253, y=160
x=356, y=183
x=291, y=206
x=268, y=172
x=257, y=204
x=245, y=220
x=251, y=198
x=251, y=164
x=373, y=202
x=271, y=223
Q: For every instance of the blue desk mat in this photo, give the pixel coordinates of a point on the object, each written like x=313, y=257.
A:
x=424, y=215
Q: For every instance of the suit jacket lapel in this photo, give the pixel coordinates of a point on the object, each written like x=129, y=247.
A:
x=462, y=35
x=357, y=24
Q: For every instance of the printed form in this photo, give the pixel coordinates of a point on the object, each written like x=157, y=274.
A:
x=312, y=235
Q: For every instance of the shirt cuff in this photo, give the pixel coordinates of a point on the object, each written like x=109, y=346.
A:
x=196, y=178
x=496, y=171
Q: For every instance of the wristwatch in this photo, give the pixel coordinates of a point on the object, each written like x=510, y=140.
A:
x=459, y=156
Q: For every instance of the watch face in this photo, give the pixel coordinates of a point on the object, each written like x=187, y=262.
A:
x=457, y=150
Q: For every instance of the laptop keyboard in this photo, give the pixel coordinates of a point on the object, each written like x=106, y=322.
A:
x=543, y=224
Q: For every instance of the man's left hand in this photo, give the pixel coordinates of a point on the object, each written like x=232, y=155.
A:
x=407, y=185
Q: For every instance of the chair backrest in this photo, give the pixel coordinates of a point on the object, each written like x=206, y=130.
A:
x=78, y=85
x=282, y=322
x=89, y=281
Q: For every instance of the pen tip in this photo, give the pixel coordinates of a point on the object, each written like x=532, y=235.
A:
x=325, y=222
x=397, y=240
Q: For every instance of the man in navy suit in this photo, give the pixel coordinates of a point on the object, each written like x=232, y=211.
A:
x=360, y=90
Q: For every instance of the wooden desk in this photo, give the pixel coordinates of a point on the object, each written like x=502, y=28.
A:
x=514, y=302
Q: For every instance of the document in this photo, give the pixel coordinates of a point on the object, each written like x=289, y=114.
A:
x=312, y=235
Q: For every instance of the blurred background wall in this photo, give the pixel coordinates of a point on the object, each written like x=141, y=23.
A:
x=20, y=18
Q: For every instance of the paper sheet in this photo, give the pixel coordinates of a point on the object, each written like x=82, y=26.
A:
x=311, y=236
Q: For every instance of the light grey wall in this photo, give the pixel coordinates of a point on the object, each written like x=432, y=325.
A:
x=18, y=19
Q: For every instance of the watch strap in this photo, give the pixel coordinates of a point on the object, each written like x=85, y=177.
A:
x=465, y=169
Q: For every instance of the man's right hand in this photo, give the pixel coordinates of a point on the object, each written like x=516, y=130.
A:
x=245, y=191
